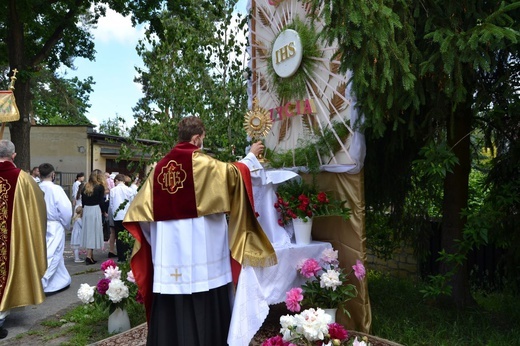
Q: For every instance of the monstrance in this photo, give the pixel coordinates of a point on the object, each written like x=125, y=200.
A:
x=257, y=123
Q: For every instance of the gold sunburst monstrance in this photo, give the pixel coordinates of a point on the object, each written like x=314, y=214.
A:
x=257, y=122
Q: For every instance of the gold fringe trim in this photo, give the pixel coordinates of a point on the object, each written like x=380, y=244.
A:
x=256, y=261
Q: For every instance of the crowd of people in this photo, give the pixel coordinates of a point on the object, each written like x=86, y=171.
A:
x=38, y=216
x=193, y=222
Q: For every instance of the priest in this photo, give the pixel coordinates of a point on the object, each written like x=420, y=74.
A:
x=23, y=256
x=184, y=244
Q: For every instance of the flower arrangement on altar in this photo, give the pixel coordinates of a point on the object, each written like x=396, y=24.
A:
x=298, y=199
x=112, y=291
x=326, y=286
x=311, y=327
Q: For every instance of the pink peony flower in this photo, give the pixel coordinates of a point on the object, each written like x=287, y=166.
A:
x=330, y=256
x=359, y=270
x=293, y=298
x=310, y=268
x=337, y=331
x=102, y=286
x=130, y=276
x=108, y=263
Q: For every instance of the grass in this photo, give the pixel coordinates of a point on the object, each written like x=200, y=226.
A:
x=399, y=313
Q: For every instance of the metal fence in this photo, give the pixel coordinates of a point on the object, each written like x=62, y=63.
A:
x=66, y=180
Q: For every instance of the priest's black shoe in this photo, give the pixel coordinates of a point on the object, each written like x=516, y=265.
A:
x=3, y=332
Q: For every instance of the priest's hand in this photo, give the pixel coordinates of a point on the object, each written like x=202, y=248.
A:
x=257, y=148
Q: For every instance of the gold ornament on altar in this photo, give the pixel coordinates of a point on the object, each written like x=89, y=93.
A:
x=257, y=123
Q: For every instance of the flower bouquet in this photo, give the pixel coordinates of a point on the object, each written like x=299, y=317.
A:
x=297, y=199
x=111, y=292
x=326, y=286
x=311, y=327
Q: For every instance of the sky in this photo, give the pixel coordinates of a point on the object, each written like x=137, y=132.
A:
x=113, y=69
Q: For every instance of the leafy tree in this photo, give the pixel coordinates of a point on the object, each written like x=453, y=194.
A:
x=419, y=73
x=194, y=68
x=60, y=101
x=115, y=127
x=47, y=34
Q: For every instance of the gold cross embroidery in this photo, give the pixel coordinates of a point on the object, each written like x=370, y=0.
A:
x=176, y=274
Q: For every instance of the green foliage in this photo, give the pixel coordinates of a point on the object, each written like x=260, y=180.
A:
x=438, y=160
x=326, y=298
x=424, y=72
x=39, y=36
x=194, y=68
x=61, y=101
x=114, y=127
x=307, y=153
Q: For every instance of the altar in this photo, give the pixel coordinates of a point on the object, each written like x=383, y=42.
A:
x=258, y=288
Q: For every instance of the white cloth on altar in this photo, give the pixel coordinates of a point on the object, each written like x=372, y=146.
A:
x=259, y=287
x=264, y=189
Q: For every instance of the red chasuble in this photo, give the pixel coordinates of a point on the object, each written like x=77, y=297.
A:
x=23, y=220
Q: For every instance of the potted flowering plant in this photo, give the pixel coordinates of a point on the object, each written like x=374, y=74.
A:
x=112, y=292
x=311, y=327
x=298, y=199
x=326, y=286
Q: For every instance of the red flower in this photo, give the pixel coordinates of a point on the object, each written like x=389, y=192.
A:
x=304, y=199
x=337, y=331
x=108, y=263
x=322, y=197
x=275, y=341
x=102, y=286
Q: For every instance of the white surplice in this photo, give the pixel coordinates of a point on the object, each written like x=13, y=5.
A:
x=59, y=215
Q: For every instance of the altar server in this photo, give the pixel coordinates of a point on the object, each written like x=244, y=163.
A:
x=59, y=215
x=181, y=258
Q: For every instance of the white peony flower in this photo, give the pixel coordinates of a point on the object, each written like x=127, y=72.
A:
x=359, y=342
x=330, y=279
x=112, y=273
x=117, y=291
x=313, y=324
x=288, y=323
x=86, y=293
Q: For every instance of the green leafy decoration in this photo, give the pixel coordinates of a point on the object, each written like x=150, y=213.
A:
x=294, y=87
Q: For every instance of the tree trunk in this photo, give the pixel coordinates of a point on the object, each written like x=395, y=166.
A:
x=21, y=129
x=456, y=200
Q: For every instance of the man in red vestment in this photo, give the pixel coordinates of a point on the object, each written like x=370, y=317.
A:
x=23, y=253
x=184, y=246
